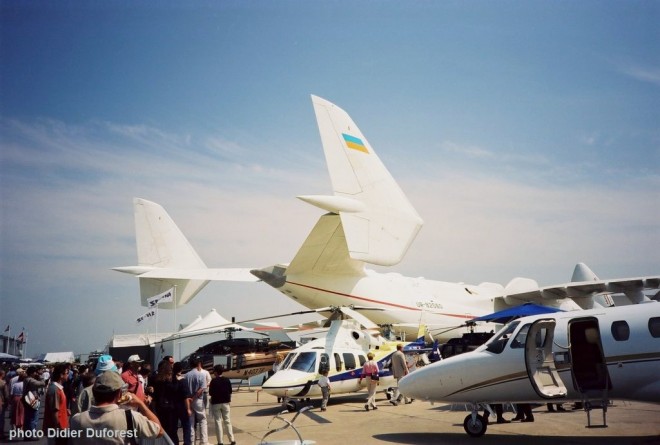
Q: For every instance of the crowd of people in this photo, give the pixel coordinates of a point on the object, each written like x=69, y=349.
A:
x=114, y=402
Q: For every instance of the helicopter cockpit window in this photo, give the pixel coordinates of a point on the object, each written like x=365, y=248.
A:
x=499, y=341
x=305, y=362
x=287, y=361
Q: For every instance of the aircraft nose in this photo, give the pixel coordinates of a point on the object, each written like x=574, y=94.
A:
x=415, y=385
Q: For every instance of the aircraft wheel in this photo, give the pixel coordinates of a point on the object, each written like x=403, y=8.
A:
x=291, y=406
x=476, y=427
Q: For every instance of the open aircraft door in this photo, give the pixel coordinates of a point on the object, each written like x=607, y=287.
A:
x=540, y=361
x=588, y=365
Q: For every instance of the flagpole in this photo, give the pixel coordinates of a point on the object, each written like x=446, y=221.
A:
x=175, y=329
x=157, y=315
x=8, y=331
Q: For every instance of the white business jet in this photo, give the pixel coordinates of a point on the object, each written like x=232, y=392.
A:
x=369, y=220
x=590, y=356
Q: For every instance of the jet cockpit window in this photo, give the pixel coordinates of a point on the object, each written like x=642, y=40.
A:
x=305, y=362
x=521, y=337
x=499, y=341
x=363, y=360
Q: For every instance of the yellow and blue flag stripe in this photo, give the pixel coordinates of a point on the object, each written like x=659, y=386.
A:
x=354, y=143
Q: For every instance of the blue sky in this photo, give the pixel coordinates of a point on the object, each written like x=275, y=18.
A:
x=525, y=133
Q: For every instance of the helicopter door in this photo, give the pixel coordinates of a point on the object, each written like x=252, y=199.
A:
x=588, y=364
x=540, y=362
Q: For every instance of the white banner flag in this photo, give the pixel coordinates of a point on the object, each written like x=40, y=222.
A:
x=148, y=316
x=165, y=297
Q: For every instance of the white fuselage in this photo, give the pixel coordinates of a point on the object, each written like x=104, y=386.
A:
x=406, y=302
x=343, y=352
x=583, y=359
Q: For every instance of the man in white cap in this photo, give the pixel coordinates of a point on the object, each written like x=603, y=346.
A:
x=107, y=423
x=132, y=376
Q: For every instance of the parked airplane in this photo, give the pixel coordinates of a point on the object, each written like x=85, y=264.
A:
x=368, y=220
x=342, y=352
x=590, y=356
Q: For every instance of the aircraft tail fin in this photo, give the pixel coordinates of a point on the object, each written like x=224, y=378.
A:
x=582, y=272
x=162, y=245
x=378, y=220
x=421, y=333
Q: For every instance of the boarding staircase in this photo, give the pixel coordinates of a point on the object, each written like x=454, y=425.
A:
x=597, y=396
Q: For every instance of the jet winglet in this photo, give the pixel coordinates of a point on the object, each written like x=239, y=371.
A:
x=381, y=232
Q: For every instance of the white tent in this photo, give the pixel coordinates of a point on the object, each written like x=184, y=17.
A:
x=4, y=356
x=128, y=340
x=211, y=322
x=58, y=357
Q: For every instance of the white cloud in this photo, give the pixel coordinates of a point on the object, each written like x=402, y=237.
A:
x=470, y=151
x=644, y=74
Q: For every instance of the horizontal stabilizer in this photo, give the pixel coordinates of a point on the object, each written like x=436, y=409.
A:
x=381, y=230
x=229, y=274
x=334, y=204
x=167, y=260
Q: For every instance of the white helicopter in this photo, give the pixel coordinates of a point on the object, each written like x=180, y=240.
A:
x=343, y=352
x=590, y=356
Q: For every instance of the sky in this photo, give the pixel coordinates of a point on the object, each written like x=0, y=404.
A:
x=525, y=133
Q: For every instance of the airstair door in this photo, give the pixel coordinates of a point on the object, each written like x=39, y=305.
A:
x=588, y=364
x=540, y=362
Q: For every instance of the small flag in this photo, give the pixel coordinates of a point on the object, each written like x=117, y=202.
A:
x=165, y=297
x=354, y=143
x=147, y=316
x=7, y=329
x=21, y=337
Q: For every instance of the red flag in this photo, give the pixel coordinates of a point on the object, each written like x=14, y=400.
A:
x=21, y=337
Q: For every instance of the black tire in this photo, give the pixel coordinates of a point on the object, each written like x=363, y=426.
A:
x=291, y=406
x=476, y=428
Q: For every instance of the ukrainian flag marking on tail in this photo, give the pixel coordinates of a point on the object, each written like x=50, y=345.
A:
x=354, y=143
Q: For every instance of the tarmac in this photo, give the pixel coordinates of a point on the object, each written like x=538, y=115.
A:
x=346, y=422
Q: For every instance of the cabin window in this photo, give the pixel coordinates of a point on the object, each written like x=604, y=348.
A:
x=305, y=362
x=499, y=341
x=325, y=362
x=363, y=360
x=337, y=362
x=349, y=361
x=654, y=327
x=620, y=330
